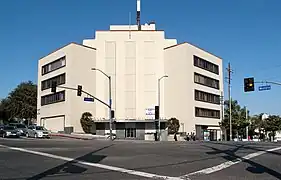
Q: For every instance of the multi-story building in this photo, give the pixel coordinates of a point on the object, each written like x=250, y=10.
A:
x=61, y=111
x=194, y=89
x=135, y=60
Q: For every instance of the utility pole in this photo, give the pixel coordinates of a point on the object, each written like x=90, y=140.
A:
x=222, y=110
x=229, y=71
x=247, y=128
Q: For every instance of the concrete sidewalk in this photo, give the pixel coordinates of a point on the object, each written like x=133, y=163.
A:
x=79, y=136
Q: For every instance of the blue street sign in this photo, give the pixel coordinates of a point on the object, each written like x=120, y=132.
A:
x=264, y=88
x=88, y=99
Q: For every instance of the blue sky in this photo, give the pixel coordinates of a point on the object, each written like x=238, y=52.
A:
x=244, y=33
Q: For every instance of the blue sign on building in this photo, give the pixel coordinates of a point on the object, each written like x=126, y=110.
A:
x=264, y=88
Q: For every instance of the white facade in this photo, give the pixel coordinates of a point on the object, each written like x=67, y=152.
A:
x=67, y=113
x=180, y=87
x=135, y=60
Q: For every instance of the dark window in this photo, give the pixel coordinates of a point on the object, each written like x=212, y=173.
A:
x=9, y=127
x=204, y=64
x=207, y=81
x=20, y=126
x=206, y=97
x=46, y=84
x=40, y=128
x=208, y=113
x=53, y=98
x=130, y=132
x=59, y=63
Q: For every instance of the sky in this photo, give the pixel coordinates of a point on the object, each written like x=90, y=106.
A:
x=245, y=34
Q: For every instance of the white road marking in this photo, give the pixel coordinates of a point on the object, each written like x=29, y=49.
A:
x=112, y=168
x=228, y=163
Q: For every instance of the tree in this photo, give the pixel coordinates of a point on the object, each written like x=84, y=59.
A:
x=86, y=122
x=256, y=123
x=22, y=101
x=5, y=114
x=173, y=125
x=238, y=118
x=272, y=124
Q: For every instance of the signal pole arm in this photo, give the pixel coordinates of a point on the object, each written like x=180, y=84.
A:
x=269, y=82
x=64, y=87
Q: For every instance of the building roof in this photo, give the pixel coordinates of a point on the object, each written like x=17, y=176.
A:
x=193, y=46
x=81, y=45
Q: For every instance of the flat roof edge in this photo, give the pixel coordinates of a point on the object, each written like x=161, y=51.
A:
x=193, y=46
x=66, y=46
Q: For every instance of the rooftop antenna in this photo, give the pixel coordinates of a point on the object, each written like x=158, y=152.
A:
x=129, y=25
x=138, y=14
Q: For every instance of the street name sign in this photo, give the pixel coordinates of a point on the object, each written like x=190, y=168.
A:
x=264, y=88
x=88, y=99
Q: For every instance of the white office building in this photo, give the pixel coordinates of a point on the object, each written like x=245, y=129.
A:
x=135, y=57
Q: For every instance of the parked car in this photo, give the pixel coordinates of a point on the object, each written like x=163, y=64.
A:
x=9, y=131
x=21, y=128
x=37, y=132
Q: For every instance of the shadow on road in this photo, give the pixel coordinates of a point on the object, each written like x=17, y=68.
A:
x=71, y=167
x=247, y=147
x=255, y=168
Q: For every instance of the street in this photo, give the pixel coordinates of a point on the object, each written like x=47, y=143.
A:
x=63, y=158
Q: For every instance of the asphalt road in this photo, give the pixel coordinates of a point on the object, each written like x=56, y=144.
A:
x=61, y=158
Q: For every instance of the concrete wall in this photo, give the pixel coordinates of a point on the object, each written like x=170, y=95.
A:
x=120, y=130
x=140, y=130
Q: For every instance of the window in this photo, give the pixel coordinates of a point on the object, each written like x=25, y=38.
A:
x=204, y=64
x=207, y=81
x=208, y=113
x=53, y=98
x=40, y=128
x=46, y=84
x=206, y=97
x=20, y=126
x=131, y=133
x=59, y=63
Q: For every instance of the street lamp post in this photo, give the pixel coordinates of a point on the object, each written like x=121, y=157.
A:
x=159, y=128
x=110, y=100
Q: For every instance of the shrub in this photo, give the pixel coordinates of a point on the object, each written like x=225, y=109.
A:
x=173, y=125
x=86, y=122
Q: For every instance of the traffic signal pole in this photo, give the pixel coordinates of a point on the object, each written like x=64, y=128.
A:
x=64, y=87
x=269, y=82
x=109, y=105
x=110, y=101
x=110, y=108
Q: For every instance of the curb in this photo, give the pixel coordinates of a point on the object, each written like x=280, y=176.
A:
x=70, y=136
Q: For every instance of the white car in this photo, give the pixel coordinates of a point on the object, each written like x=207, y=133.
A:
x=37, y=132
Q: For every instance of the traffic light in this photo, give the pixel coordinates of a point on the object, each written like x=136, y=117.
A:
x=156, y=112
x=54, y=87
x=112, y=114
x=79, y=90
x=249, y=84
